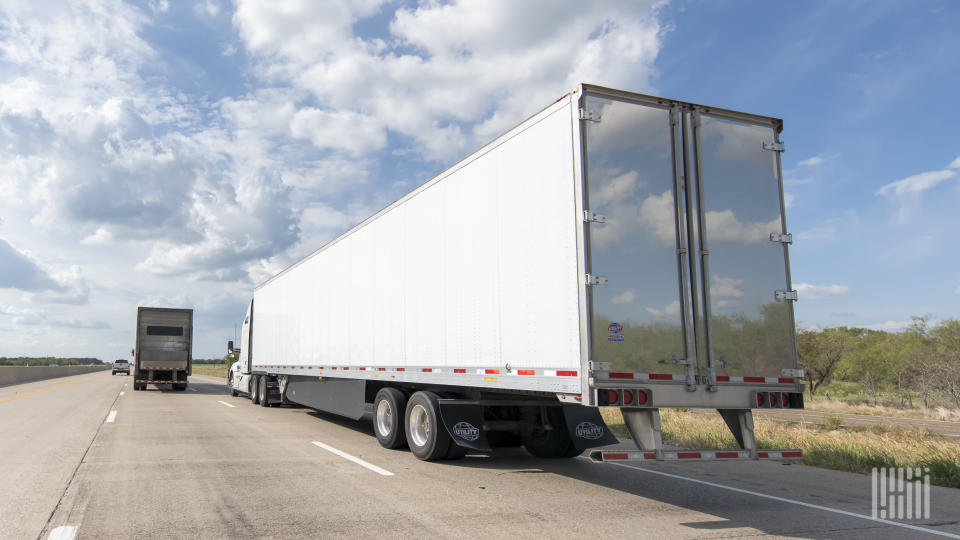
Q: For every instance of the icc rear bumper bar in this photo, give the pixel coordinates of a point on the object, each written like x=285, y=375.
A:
x=600, y=456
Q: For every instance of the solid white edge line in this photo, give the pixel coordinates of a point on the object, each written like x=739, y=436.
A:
x=192, y=389
x=63, y=532
x=791, y=501
x=354, y=459
x=225, y=403
x=111, y=417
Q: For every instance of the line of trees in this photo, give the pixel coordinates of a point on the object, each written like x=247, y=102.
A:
x=47, y=360
x=921, y=361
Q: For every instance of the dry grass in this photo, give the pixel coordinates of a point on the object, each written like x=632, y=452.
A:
x=836, y=406
x=839, y=449
x=211, y=370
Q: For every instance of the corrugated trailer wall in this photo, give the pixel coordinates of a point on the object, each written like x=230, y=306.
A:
x=477, y=268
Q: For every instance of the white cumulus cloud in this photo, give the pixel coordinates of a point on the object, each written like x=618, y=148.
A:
x=671, y=310
x=806, y=291
x=811, y=162
x=920, y=182
x=624, y=298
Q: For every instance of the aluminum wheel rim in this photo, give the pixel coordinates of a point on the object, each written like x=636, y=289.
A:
x=384, y=418
x=419, y=425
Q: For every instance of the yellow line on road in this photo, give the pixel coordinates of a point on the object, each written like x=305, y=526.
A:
x=43, y=390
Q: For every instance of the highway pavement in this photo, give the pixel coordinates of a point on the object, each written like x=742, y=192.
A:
x=86, y=457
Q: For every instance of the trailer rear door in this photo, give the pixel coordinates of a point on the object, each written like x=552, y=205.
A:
x=678, y=305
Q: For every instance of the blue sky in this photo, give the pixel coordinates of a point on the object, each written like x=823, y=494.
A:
x=177, y=153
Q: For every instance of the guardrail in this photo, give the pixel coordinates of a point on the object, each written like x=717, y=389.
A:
x=19, y=374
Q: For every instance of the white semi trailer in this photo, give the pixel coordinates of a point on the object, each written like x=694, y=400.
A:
x=615, y=249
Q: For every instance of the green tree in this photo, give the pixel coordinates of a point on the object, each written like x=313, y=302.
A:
x=946, y=338
x=919, y=357
x=821, y=352
x=873, y=361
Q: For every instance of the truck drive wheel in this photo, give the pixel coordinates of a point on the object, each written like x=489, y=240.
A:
x=233, y=391
x=552, y=443
x=389, y=409
x=255, y=389
x=426, y=436
x=264, y=393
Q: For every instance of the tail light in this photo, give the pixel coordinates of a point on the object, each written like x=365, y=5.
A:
x=761, y=400
x=785, y=400
x=608, y=397
x=627, y=397
x=642, y=397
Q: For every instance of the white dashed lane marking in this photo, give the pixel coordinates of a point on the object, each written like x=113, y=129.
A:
x=64, y=532
x=354, y=459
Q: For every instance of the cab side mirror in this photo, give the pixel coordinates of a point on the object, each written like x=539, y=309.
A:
x=229, y=346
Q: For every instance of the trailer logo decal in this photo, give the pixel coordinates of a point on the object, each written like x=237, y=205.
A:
x=589, y=430
x=466, y=431
x=615, y=330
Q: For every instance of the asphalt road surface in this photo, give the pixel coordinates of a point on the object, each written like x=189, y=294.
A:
x=86, y=457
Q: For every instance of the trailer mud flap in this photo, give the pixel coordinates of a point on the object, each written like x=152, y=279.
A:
x=586, y=427
x=464, y=423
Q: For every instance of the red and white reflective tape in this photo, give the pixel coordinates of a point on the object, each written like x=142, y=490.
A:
x=692, y=455
x=653, y=377
x=455, y=371
x=612, y=375
x=758, y=380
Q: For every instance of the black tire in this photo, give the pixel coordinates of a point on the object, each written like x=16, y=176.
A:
x=136, y=387
x=552, y=443
x=112, y=373
x=427, y=437
x=389, y=412
x=255, y=389
x=264, y=392
x=233, y=391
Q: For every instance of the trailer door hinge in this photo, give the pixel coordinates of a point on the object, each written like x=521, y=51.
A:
x=590, y=116
x=774, y=146
x=597, y=280
x=780, y=296
x=782, y=238
x=591, y=217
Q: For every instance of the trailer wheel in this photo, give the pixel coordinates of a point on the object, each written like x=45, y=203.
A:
x=427, y=437
x=264, y=397
x=552, y=443
x=255, y=389
x=389, y=409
